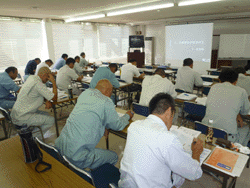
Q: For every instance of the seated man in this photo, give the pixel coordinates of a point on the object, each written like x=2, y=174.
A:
x=84, y=64
x=31, y=68
x=94, y=112
x=31, y=97
x=77, y=67
x=151, y=85
x=153, y=156
x=65, y=75
x=105, y=73
x=225, y=101
x=243, y=80
x=60, y=62
x=7, y=84
x=187, y=78
x=48, y=63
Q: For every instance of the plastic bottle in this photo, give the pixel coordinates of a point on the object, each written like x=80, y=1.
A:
x=70, y=92
x=210, y=132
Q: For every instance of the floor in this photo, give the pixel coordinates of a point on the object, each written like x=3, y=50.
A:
x=117, y=144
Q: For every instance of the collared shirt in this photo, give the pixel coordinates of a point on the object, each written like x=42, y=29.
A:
x=59, y=64
x=83, y=63
x=128, y=71
x=30, y=67
x=104, y=73
x=224, y=102
x=77, y=68
x=152, y=85
x=86, y=125
x=152, y=153
x=244, y=82
x=64, y=77
x=187, y=78
x=6, y=85
x=43, y=64
x=29, y=99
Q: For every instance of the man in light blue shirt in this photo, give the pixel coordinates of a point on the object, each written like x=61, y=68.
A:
x=93, y=113
x=60, y=62
x=7, y=84
x=105, y=73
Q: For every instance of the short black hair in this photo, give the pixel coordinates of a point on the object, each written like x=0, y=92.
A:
x=160, y=71
x=160, y=103
x=113, y=65
x=70, y=60
x=82, y=54
x=240, y=70
x=38, y=59
x=188, y=62
x=77, y=57
x=49, y=60
x=11, y=69
x=65, y=56
x=228, y=75
x=132, y=60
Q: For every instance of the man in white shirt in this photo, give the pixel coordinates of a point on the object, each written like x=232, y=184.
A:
x=31, y=97
x=187, y=78
x=77, y=67
x=243, y=80
x=66, y=74
x=153, y=156
x=151, y=85
x=225, y=104
x=48, y=63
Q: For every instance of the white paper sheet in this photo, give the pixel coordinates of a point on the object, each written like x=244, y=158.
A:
x=207, y=83
x=186, y=96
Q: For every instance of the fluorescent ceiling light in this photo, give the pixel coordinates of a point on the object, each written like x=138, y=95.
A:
x=141, y=9
x=85, y=18
x=194, y=2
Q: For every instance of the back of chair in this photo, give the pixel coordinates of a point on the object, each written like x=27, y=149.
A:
x=206, y=90
x=50, y=150
x=6, y=114
x=162, y=67
x=139, y=109
x=201, y=127
x=205, y=79
x=179, y=90
x=82, y=173
x=216, y=73
x=194, y=109
x=220, y=133
x=149, y=67
x=120, y=65
x=118, y=77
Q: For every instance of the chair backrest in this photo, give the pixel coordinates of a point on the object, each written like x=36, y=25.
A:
x=121, y=80
x=120, y=65
x=162, y=67
x=179, y=90
x=205, y=79
x=140, y=109
x=206, y=90
x=85, y=86
x=149, y=67
x=216, y=73
x=118, y=77
x=50, y=150
x=6, y=114
x=82, y=173
x=194, y=109
x=218, y=133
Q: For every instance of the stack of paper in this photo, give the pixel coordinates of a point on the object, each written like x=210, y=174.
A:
x=207, y=83
x=186, y=96
x=60, y=94
x=201, y=100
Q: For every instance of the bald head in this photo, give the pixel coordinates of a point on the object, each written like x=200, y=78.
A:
x=43, y=73
x=105, y=87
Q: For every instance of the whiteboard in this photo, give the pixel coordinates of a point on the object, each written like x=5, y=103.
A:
x=234, y=46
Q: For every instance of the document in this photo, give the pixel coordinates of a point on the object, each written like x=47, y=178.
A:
x=207, y=83
x=186, y=96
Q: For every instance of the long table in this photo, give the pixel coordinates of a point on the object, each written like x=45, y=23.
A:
x=16, y=173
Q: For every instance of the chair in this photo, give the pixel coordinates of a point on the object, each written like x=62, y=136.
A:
x=118, y=77
x=149, y=67
x=179, y=90
x=100, y=177
x=120, y=65
x=6, y=114
x=216, y=73
x=205, y=79
x=206, y=90
x=196, y=112
x=140, y=109
x=50, y=150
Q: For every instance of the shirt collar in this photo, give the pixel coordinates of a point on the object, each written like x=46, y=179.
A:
x=6, y=74
x=157, y=120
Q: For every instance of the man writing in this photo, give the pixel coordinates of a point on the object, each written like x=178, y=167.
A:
x=153, y=156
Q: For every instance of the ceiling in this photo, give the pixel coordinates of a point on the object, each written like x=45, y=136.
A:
x=61, y=9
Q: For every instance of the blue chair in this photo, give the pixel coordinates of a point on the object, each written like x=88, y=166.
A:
x=50, y=150
x=206, y=90
x=120, y=65
x=162, y=67
x=148, y=67
x=179, y=90
x=118, y=77
x=196, y=112
x=140, y=109
x=205, y=79
x=216, y=73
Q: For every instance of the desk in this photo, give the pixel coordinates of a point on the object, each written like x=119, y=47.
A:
x=147, y=71
x=2, y=120
x=16, y=173
x=212, y=70
x=215, y=78
x=59, y=104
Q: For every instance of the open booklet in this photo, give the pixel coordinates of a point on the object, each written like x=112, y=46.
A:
x=186, y=136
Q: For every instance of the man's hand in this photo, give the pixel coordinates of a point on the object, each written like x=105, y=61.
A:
x=130, y=113
x=48, y=105
x=197, y=149
x=106, y=133
x=240, y=121
x=51, y=78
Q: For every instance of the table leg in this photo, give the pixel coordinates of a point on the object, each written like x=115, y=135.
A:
x=107, y=142
x=4, y=129
x=129, y=99
x=115, y=97
x=224, y=184
x=55, y=116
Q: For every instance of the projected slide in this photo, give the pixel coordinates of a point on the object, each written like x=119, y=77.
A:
x=189, y=41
